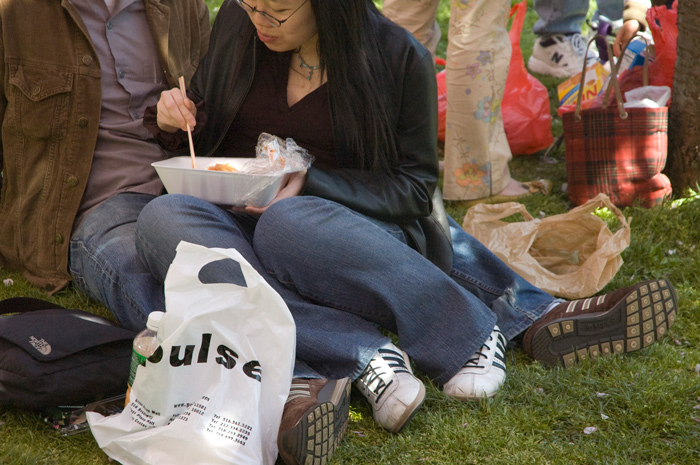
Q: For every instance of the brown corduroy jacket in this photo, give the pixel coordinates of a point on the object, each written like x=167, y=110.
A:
x=50, y=104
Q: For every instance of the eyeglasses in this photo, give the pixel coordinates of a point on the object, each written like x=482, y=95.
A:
x=271, y=20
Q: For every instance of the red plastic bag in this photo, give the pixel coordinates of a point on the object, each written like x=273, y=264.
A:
x=525, y=108
x=664, y=29
x=442, y=104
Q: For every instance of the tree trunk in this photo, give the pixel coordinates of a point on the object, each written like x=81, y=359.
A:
x=683, y=164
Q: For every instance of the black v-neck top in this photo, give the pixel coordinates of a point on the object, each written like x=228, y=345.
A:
x=265, y=109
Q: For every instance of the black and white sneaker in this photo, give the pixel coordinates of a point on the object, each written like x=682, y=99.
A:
x=483, y=374
x=560, y=55
x=391, y=388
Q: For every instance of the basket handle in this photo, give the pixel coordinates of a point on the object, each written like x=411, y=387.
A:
x=613, y=81
x=645, y=78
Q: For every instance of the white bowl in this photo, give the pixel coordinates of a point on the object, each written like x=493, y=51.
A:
x=219, y=187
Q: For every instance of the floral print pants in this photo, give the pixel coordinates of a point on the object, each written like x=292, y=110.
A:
x=478, y=55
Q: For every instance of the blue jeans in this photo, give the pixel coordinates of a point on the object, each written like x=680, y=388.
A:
x=104, y=264
x=343, y=277
x=567, y=16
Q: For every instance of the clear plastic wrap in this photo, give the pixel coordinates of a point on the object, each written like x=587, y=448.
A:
x=277, y=155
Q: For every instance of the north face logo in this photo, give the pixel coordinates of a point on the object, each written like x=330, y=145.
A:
x=41, y=345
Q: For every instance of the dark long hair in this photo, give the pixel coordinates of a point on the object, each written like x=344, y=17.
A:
x=358, y=78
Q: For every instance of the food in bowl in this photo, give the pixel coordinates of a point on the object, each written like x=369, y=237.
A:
x=222, y=167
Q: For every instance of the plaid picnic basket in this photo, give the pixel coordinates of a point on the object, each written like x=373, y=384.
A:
x=616, y=151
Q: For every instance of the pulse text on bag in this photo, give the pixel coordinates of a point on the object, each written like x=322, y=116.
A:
x=227, y=358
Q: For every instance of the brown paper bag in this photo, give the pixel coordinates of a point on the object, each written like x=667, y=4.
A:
x=571, y=255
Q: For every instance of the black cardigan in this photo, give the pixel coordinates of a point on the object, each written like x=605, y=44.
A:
x=409, y=198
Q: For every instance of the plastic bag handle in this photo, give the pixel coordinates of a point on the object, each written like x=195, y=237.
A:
x=517, y=71
x=613, y=81
x=504, y=210
x=204, y=256
x=518, y=10
x=602, y=200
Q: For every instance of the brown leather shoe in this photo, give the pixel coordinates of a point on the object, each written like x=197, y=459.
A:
x=621, y=321
x=314, y=420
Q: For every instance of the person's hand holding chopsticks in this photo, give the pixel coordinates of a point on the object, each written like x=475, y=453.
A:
x=175, y=111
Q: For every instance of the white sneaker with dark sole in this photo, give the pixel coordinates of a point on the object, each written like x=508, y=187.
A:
x=560, y=55
x=391, y=388
x=483, y=374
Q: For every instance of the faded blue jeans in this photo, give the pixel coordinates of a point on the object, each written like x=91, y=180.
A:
x=104, y=264
x=567, y=16
x=343, y=276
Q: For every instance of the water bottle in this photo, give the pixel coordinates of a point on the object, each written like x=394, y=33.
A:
x=144, y=346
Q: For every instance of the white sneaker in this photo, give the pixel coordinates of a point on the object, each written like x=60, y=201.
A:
x=483, y=374
x=390, y=387
x=560, y=55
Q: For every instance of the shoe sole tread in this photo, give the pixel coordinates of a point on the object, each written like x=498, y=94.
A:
x=319, y=432
x=639, y=319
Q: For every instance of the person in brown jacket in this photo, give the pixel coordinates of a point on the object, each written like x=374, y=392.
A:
x=76, y=77
x=75, y=157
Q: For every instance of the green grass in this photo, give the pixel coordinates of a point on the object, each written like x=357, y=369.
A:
x=645, y=406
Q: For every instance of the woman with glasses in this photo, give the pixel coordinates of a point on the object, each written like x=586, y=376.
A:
x=359, y=242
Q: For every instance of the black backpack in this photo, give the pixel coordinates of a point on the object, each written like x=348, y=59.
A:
x=52, y=356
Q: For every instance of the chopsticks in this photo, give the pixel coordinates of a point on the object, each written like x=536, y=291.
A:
x=189, y=130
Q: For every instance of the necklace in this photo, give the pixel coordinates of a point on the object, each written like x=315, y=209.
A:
x=303, y=64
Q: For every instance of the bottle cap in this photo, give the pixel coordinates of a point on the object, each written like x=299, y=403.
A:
x=154, y=320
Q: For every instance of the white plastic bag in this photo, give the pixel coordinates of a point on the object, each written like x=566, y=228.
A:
x=214, y=391
x=648, y=97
